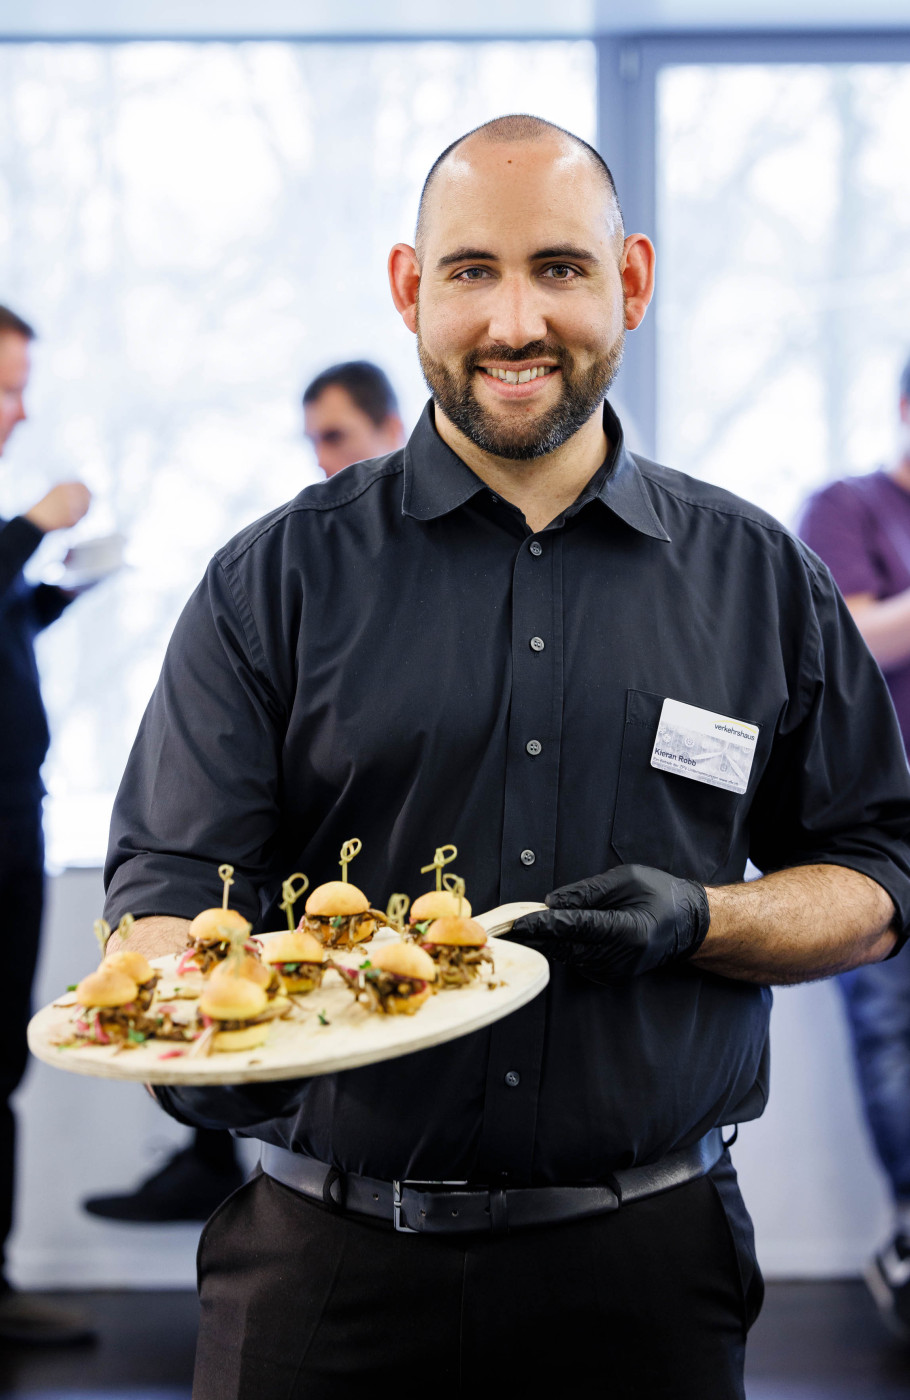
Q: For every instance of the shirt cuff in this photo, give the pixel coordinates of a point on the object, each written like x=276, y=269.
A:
x=20, y=538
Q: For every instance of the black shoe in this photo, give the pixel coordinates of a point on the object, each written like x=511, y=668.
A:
x=888, y=1278
x=28, y=1321
x=185, y=1188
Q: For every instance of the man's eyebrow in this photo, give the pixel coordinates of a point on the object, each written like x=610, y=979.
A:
x=559, y=250
x=465, y=255
x=565, y=250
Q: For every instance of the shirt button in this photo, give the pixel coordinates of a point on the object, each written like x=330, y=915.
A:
x=513, y=1079
x=536, y=549
x=537, y=644
x=533, y=747
x=528, y=857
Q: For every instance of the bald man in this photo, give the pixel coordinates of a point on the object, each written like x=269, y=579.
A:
x=607, y=684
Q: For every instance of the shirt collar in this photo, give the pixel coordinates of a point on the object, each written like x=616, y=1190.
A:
x=437, y=481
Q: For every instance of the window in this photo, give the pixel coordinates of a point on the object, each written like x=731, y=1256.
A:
x=783, y=229
x=195, y=230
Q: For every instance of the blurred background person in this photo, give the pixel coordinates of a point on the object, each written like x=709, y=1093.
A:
x=24, y=611
x=860, y=527
x=350, y=413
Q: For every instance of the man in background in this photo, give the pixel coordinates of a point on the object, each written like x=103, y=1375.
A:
x=861, y=529
x=24, y=611
x=350, y=414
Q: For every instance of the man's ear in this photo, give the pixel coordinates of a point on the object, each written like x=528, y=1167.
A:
x=636, y=268
x=404, y=280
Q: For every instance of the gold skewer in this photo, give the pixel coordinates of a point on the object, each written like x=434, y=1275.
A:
x=226, y=873
x=397, y=909
x=455, y=885
x=444, y=856
x=102, y=933
x=349, y=850
x=291, y=892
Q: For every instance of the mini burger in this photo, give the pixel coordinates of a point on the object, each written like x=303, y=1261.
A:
x=397, y=980
x=106, y=1009
x=138, y=967
x=236, y=1011
x=298, y=958
x=250, y=966
x=211, y=937
x=437, y=904
x=338, y=915
x=457, y=946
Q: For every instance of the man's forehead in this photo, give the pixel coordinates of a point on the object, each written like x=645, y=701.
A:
x=488, y=187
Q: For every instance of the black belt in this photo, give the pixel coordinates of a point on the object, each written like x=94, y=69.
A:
x=453, y=1207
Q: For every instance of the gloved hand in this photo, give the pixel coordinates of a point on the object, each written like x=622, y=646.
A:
x=620, y=924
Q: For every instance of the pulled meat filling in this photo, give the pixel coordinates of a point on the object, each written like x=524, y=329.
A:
x=457, y=966
x=337, y=930
x=128, y=1025
x=381, y=987
x=303, y=971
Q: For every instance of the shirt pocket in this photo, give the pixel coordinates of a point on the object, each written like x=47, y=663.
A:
x=676, y=824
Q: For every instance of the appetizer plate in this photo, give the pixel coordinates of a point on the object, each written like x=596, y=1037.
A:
x=327, y=1030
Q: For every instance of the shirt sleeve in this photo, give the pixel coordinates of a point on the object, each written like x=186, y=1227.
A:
x=836, y=790
x=19, y=539
x=48, y=602
x=200, y=786
x=835, y=523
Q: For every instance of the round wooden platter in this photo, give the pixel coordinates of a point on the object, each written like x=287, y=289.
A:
x=326, y=1032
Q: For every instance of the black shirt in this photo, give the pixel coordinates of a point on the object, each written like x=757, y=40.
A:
x=24, y=611
x=383, y=656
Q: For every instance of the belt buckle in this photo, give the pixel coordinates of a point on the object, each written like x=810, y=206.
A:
x=396, y=1200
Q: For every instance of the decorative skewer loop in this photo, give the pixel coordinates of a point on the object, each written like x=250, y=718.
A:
x=444, y=856
x=349, y=850
x=226, y=873
x=455, y=885
x=291, y=891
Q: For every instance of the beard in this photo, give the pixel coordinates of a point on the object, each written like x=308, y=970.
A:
x=515, y=438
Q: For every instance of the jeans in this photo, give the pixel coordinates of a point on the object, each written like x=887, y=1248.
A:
x=877, y=1000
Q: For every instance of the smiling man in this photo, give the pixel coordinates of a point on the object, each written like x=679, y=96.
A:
x=600, y=679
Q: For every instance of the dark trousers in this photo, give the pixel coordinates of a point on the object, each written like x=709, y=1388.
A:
x=21, y=902
x=651, y=1301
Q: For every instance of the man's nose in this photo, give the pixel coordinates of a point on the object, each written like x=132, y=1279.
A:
x=517, y=315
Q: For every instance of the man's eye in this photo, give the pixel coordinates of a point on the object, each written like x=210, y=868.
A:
x=560, y=272
x=472, y=274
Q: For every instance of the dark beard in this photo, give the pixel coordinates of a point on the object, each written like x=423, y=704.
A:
x=581, y=396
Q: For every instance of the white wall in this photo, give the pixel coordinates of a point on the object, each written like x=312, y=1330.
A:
x=806, y=1169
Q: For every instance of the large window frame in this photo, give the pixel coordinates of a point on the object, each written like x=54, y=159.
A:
x=627, y=77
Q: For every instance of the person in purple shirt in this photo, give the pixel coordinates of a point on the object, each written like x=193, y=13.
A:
x=861, y=529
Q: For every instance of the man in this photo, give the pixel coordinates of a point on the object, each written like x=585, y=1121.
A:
x=861, y=529
x=24, y=611
x=515, y=636
x=351, y=413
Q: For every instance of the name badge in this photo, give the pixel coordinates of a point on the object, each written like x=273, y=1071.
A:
x=699, y=744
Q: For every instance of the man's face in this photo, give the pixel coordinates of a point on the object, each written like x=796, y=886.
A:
x=14, y=368
x=341, y=433
x=520, y=276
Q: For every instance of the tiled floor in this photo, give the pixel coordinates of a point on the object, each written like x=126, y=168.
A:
x=814, y=1341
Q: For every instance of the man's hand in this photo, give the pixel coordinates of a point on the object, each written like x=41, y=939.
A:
x=62, y=507
x=620, y=924
x=155, y=936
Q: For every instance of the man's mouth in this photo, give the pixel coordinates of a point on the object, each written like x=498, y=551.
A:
x=518, y=376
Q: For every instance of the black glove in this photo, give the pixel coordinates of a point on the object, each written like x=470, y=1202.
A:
x=620, y=924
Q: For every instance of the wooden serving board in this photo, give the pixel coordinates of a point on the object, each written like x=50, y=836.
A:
x=301, y=1045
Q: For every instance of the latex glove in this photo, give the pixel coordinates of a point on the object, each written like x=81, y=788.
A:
x=627, y=921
